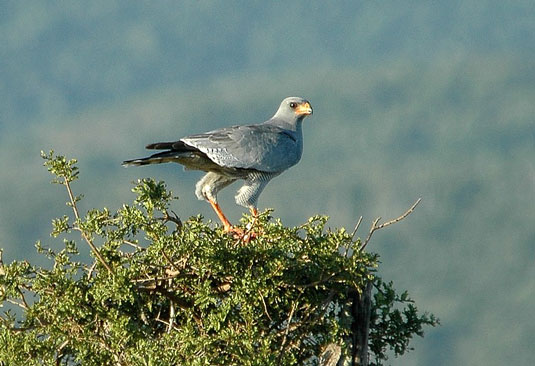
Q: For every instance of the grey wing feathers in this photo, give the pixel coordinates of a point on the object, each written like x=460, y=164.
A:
x=260, y=147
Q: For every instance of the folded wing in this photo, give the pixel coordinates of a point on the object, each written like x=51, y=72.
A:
x=261, y=147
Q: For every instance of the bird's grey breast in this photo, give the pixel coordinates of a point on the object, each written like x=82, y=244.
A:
x=261, y=147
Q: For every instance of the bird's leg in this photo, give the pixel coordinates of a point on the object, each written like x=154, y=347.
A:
x=239, y=233
x=227, y=225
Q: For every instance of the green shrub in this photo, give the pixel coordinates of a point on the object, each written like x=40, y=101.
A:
x=160, y=291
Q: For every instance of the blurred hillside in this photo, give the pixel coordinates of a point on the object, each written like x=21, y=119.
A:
x=58, y=58
x=430, y=99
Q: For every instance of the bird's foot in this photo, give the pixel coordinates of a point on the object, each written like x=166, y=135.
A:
x=244, y=236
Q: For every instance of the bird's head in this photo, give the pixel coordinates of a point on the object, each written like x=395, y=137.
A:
x=294, y=108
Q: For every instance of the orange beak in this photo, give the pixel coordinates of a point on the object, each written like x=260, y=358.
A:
x=304, y=109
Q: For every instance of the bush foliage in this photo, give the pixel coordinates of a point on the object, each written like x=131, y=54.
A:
x=159, y=291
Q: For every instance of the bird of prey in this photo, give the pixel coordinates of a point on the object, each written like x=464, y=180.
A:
x=253, y=153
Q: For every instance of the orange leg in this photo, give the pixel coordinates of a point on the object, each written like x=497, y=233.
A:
x=222, y=217
x=236, y=232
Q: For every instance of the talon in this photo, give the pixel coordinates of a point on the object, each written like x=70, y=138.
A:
x=244, y=236
x=254, y=211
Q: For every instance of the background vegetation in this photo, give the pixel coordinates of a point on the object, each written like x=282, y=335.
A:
x=413, y=98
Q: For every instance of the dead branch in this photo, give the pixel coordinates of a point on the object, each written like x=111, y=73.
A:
x=19, y=304
x=26, y=306
x=171, y=316
x=2, y=271
x=288, y=324
x=91, y=269
x=376, y=227
x=265, y=306
x=356, y=227
x=330, y=355
x=349, y=245
x=133, y=245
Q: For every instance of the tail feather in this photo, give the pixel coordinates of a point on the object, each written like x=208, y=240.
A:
x=163, y=157
x=176, y=146
x=136, y=162
x=177, y=152
x=160, y=146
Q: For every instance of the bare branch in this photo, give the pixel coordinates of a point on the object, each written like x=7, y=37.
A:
x=171, y=316
x=376, y=227
x=158, y=319
x=321, y=281
x=173, y=218
x=133, y=245
x=356, y=227
x=26, y=306
x=349, y=245
x=265, y=306
x=2, y=271
x=169, y=261
x=59, y=352
x=289, y=322
x=91, y=269
x=398, y=219
x=19, y=304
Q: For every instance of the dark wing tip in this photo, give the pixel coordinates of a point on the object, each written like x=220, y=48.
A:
x=138, y=162
x=160, y=146
x=175, y=145
x=128, y=163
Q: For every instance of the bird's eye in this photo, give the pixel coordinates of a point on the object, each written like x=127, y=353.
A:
x=293, y=105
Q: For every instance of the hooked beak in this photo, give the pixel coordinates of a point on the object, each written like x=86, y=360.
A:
x=304, y=109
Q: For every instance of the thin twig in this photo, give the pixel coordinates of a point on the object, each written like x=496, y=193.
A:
x=82, y=232
x=17, y=303
x=318, y=282
x=324, y=304
x=175, y=219
x=59, y=352
x=265, y=306
x=289, y=322
x=26, y=306
x=407, y=213
x=91, y=269
x=133, y=245
x=349, y=245
x=294, y=305
x=169, y=260
x=171, y=316
x=376, y=227
x=158, y=319
x=356, y=227
x=323, y=307
x=2, y=271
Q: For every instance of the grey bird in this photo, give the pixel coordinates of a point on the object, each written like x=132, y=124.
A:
x=253, y=153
